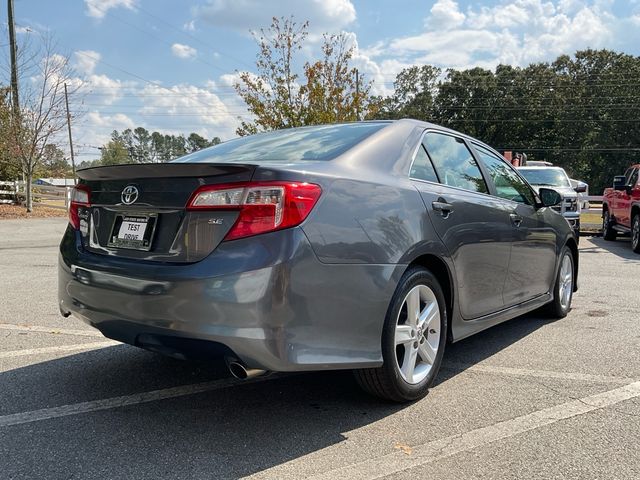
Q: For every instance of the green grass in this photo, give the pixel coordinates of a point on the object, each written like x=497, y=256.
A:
x=591, y=218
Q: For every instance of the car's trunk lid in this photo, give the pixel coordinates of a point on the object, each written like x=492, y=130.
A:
x=151, y=200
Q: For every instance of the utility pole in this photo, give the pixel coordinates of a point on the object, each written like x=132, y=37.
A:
x=357, y=95
x=73, y=160
x=14, y=61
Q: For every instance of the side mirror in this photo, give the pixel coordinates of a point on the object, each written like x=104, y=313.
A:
x=581, y=187
x=549, y=197
x=620, y=182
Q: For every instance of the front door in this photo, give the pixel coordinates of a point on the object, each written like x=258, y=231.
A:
x=473, y=225
x=623, y=199
x=533, y=257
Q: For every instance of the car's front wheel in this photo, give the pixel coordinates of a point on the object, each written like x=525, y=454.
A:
x=563, y=288
x=413, y=340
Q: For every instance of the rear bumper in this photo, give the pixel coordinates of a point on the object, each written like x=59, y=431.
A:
x=266, y=300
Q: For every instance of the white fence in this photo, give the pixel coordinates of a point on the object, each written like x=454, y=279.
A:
x=15, y=192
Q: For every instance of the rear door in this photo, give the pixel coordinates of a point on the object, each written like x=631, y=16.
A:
x=533, y=248
x=472, y=224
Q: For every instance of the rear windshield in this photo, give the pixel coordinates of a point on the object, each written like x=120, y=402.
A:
x=551, y=177
x=323, y=142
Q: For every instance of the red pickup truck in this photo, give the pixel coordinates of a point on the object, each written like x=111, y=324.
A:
x=621, y=208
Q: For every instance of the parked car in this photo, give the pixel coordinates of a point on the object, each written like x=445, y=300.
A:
x=557, y=178
x=362, y=246
x=621, y=208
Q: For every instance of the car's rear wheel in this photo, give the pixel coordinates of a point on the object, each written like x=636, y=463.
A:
x=413, y=340
x=635, y=233
x=563, y=288
x=608, y=233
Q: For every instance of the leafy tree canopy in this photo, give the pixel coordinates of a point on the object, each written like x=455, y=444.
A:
x=285, y=93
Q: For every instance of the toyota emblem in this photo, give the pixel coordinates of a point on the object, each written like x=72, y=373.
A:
x=129, y=194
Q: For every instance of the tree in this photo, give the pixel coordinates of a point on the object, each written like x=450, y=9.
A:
x=578, y=112
x=42, y=109
x=9, y=168
x=140, y=146
x=331, y=90
x=114, y=153
x=414, y=96
x=196, y=142
x=54, y=164
x=274, y=95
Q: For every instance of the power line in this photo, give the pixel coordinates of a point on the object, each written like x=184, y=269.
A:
x=153, y=35
x=183, y=32
x=155, y=84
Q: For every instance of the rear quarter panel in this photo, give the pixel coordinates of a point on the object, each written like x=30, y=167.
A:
x=364, y=222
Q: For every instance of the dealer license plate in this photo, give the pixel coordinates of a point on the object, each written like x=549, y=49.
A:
x=133, y=231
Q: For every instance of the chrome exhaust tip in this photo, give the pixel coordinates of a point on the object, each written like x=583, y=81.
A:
x=238, y=370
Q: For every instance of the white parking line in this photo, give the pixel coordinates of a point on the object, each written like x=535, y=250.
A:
x=123, y=401
x=525, y=372
x=39, y=329
x=58, y=349
x=430, y=452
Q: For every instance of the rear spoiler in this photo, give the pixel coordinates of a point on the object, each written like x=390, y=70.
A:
x=163, y=170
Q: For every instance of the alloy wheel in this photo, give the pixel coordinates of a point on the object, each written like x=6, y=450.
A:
x=417, y=334
x=635, y=233
x=566, y=282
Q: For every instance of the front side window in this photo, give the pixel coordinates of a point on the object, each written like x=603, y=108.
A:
x=633, y=179
x=454, y=163
x=508, y=184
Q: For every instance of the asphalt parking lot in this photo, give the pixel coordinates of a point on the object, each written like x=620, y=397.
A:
x=529, y=398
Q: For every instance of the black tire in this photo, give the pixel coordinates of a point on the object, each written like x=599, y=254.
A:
x=388, y=381
x=560, y=307
x=635, y=233
x=608, y=233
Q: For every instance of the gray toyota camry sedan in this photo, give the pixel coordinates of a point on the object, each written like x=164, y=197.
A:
x=365, y=246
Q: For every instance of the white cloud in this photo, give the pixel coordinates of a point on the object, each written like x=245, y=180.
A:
x=201, y=108
x=99, y=8
x=117, y=121
x=104, y=90
x=190, y=26
x=86, y=61
x=246, y=15
x=183, y=51
x=512, y=32
x=445, y=14
x=20, y=29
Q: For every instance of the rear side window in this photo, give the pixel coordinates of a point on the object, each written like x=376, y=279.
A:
x=454, y=163
x=323, y=142
x=508, y=183
x=422, y=169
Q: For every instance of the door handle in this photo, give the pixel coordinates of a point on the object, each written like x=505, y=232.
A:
x=445, y=209
x=515, y=219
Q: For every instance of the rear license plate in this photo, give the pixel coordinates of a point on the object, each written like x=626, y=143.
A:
x=133, y=231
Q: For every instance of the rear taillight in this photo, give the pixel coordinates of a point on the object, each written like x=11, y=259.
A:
x=80, y=197
x=263, y=206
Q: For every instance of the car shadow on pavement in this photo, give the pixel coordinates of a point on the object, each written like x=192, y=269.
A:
x=224, y=433
x=620, y=247
x=461, y=355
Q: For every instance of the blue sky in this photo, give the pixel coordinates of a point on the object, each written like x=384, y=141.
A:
x=170, y=65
